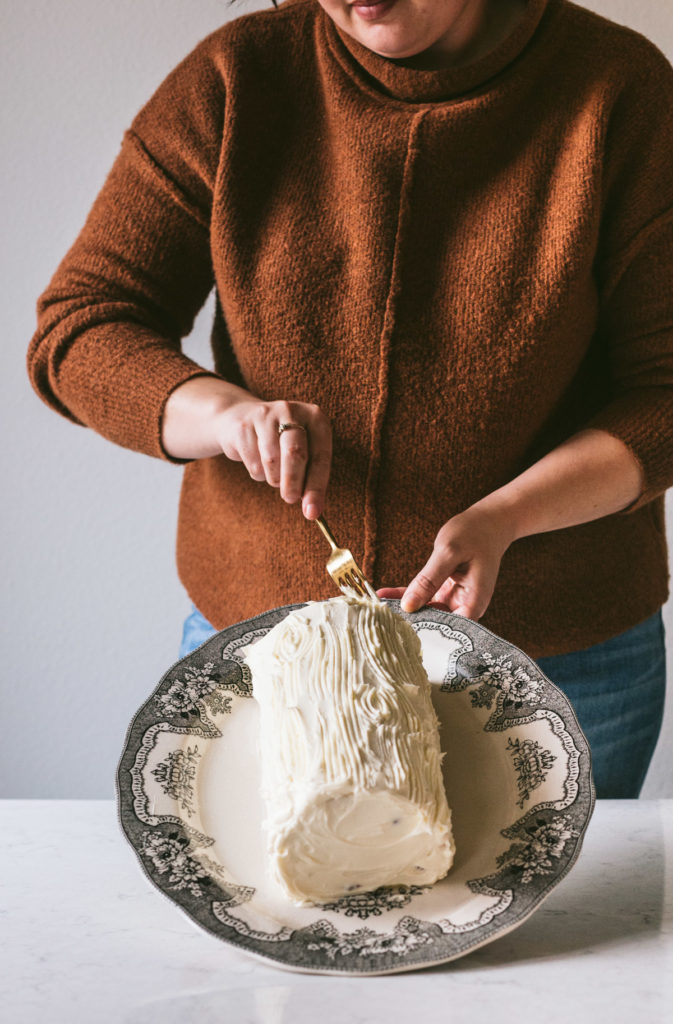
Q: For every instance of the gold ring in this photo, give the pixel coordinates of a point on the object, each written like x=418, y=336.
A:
x=290, y=426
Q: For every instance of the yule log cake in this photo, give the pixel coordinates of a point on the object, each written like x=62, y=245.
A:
x=350, y=756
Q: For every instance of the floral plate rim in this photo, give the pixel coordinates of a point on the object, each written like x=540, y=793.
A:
x=414, y=943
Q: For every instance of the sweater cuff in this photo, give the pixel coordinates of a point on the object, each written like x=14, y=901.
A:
x=125, y=400
x=642, y=420
x=162, y=453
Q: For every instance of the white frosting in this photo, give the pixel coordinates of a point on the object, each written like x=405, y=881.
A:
x=349, y=746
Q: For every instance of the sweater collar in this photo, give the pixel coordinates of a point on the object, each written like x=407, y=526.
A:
x=395, y=80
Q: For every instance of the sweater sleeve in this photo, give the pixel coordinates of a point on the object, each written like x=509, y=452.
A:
x=635, y=271
x=107, y=353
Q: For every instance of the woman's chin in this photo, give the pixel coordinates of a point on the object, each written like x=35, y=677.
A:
x=387, y=28
x=388, y=41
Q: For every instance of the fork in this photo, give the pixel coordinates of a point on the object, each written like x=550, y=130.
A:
x=343, y=568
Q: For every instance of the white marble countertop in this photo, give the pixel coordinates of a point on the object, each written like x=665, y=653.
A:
x=84, y=937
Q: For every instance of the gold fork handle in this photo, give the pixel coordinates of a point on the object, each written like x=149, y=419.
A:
x=329, y=536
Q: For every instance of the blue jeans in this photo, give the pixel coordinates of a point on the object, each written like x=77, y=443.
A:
x=616, y=688
x=195, y=631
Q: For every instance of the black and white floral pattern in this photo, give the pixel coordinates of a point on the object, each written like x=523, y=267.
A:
x=531, y=763
x=176, y=775
x=376, y=903
x=500, y=676
x=198, y=684
x=544, y=844
x=408, y=936
x=171, y=856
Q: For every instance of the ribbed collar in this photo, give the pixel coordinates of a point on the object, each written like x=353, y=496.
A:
x=395, y=80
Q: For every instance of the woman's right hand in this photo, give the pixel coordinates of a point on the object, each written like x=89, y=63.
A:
x=206, y=416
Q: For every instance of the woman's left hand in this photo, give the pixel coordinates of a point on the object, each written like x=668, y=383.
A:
x=461, y=573
x=590, y=475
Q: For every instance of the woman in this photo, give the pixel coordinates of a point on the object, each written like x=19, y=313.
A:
x=441, y=239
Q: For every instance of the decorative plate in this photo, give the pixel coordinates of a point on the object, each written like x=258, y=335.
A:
x=518, y=780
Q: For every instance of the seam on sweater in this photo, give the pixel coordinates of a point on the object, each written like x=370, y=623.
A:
x=631, y=249
x=168, y=185
x=403, y=213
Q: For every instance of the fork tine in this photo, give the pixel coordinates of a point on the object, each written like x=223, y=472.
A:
x=343, y=568
x=354, y=580
x=356, y=583
x=360, y=583
x=345, y=582
x=364, y=585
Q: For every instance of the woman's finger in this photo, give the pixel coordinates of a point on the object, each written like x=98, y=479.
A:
x=319, y=463
x=455, y=597
x=268, y=441
x=391, y=592
x=396, y=593
x=425, y=585
x=448, y=593
x=248, y=451
x=468, y=593
x=293, y=459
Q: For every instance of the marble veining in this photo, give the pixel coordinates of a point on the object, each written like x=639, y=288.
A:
x=84, y=937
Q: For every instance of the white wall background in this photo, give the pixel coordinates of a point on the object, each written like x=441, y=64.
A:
x=91, y=606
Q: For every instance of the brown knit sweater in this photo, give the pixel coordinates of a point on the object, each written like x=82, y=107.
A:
x=462, y=267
